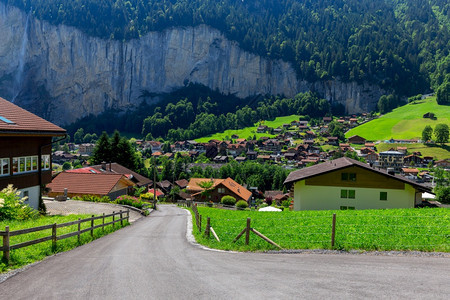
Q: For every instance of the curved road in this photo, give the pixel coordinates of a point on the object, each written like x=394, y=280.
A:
x=152, y=259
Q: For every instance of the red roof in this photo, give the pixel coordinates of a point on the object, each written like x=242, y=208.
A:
x=84, y=183
x=14, y=119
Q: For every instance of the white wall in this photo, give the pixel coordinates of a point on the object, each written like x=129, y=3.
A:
x=308, y=197
x=33, y=196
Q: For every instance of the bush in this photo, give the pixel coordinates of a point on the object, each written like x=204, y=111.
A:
x=242, y=204
x=269, y=201
x=286, y=203
x=130, y=201
x=228, y=200
x=92, y=198
x=12, y=207
x=147, y=196
x=443, y=195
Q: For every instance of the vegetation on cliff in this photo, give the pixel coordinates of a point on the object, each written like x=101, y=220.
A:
x=398, y=44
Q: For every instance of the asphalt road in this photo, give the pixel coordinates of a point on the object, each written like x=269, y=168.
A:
x=152, y=259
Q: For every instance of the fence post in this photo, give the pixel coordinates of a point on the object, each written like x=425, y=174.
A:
x=54, y=237
x=92, y=227
x=103, y=222
x=333, y=231
x=79, y=229
x=113, y=218
x=6, y=246
x=247, y=232
x=128, y=216
x=208, y=224
x=200, y=221
x=121, y=221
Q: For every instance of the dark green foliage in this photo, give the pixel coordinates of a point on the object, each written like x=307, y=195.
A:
x=242, y=204
x=228, y=200
x=443, y=194
x=388, y=103
x=102, y=150
x=92, y=198
x=130, y=201
x=67, y=166
x=441, y=132
x=443, y=94
x=388, y=42
x=12, y=206
x=427, y=133
x=335, y=129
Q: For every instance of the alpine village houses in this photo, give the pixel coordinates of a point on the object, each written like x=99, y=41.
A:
x=345, y=183
x=25, y=151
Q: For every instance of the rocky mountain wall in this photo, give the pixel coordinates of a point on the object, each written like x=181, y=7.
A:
x=63, y=74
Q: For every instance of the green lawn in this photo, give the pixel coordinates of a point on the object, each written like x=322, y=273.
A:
x=436, y=151
x=393, y=229
x=27, y=255
x=405, y=122
x=250, y=131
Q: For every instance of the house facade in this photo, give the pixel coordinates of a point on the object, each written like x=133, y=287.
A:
x=345, y=183
x=220, y=188
x=25, y=151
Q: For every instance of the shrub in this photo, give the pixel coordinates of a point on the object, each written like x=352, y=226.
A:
x=443, y=195
x=12, y=207
x=242, y=204
x=147, y=196
x=92, y=198
x=228, y=200
x=269, y=201
x=129, y=200
x=286, y=203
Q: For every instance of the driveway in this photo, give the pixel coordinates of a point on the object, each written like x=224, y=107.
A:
x=152, y=259
x=83, y=207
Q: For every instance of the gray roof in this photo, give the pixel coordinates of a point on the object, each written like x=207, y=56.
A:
x=342, y=163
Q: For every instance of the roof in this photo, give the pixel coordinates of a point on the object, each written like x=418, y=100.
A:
x=16, y=120
x=182, y=183
x=86, y=183
x=342, y=163
x=115, y=169
x=229, y=183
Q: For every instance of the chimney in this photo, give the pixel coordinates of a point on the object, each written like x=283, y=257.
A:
x=104, y=165
x=110, y=167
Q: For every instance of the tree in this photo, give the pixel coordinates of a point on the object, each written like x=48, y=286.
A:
x=78, y=136
x=67, y=166
x=207, y=186
x=427, y=133
x=441, y=132
x=102, y=150
x=443, y=94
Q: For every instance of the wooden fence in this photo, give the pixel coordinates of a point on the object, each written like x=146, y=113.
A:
x=7, y=247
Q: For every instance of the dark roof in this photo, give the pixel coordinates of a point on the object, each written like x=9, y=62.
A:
x=119, y=169
x=182, y=183
x=24, y=122
x=342, y=163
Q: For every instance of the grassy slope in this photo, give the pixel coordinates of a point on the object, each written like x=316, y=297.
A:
x=27, y=255
x=391, y=229
x=250, y=131
x=405, y=122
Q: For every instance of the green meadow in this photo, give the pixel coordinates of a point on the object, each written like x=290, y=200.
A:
x=30, y=254
x=249, y=131
x=391, y=229
x=405, y=122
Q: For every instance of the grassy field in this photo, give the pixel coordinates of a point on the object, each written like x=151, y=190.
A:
x=250, y=131
x=437, y=151
x=405, y=122
x=394, y=229
x=27, y=255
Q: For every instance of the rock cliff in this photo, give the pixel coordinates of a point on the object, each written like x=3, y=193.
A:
x=63, y=74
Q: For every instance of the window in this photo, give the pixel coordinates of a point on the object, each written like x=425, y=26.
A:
x=4, y=166
x=348, y=176
x=45, y=162
x=221, y=190
x=347, y=208
x=350, y=194
x=25, y=164
x=383, y=196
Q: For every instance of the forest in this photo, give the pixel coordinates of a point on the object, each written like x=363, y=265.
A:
x=401, y=45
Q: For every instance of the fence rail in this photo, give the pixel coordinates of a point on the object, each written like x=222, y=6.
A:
x=7, y=234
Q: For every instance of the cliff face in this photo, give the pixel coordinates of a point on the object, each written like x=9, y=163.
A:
x=62, y=74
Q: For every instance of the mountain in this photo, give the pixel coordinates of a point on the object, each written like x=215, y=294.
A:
x=66, y=60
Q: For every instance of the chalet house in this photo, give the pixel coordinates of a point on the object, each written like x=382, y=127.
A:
x=221, y=159
x=155, y=146
x=310, y=135
x=272, y=145
x=180, y=146
x=241, y=158
x=291, y=156
x=251, y=155
x=412, y=160
x=345, y=147
x=356, y=139
x=25, y=151
x=220, y=188
x=410, y=171
x=332, y=141
x=97, y=184
x=262, y=129
x=86, y=148
x=391, y=159
x=61, y=157
x=211, y=150
x=444, y=163
x=182, y=183
x=235, y=149
x=402, y=149
x=353, y=121
x=345, y=183
x=370, y=145
x=427, y=160
x=327, y=120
